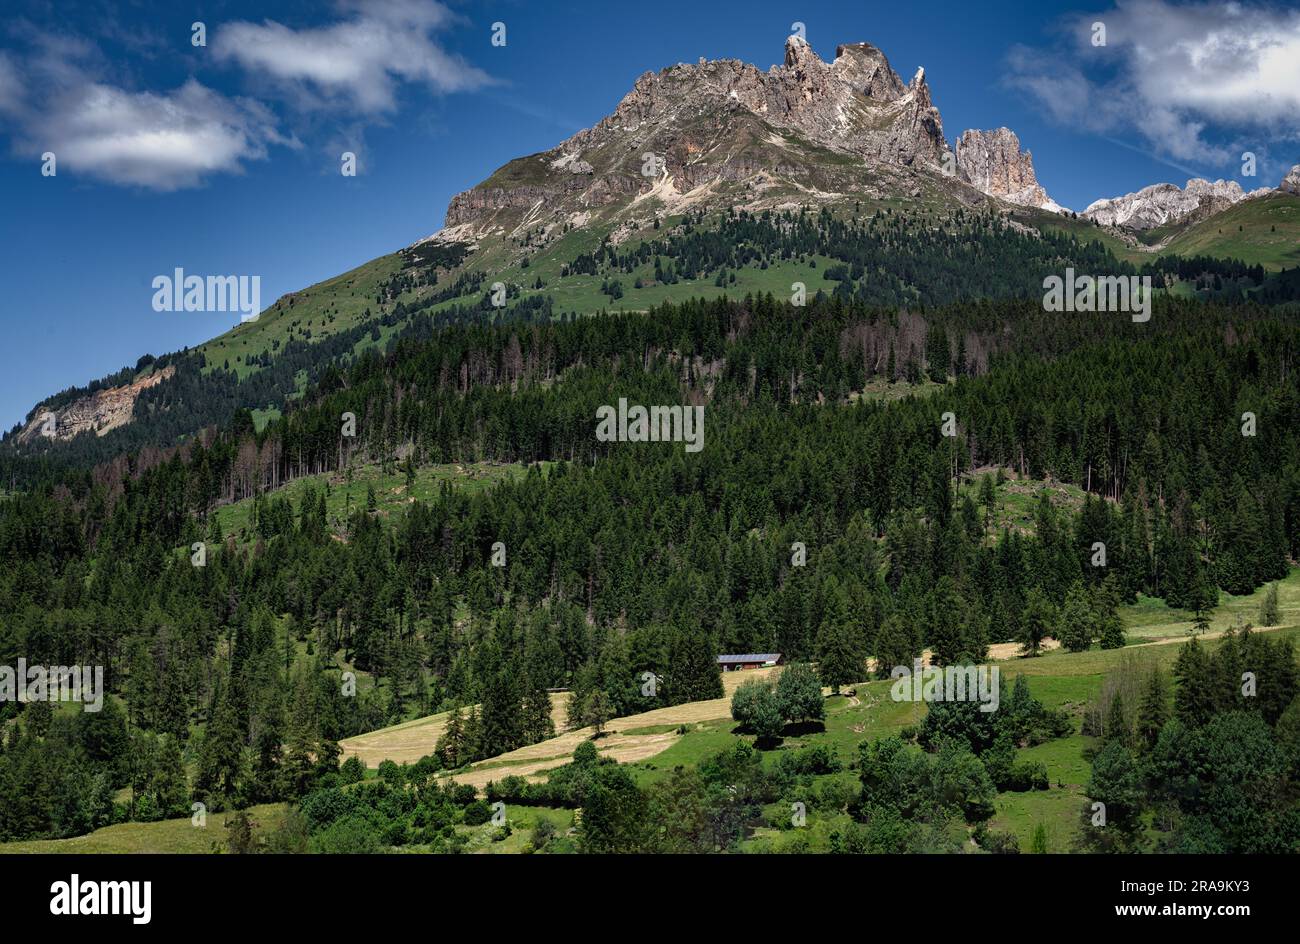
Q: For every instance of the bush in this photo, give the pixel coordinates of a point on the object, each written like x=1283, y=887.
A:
x=290, y=835
x=543, y=832
x=350, y=836
x=1027, y=775
x=352, y=770
x=325, y=807
x=813, y=760
x=390, y=773
x=477, y=813
x=998, y=842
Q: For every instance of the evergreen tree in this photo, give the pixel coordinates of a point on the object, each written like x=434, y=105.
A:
x=839, y=658
x=1154, y=712
x=1269, y=613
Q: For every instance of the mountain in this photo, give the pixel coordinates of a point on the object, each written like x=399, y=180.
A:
x=1291, y=182
x=706, y=179
x=1166, y=203
x=992, y=162
x=725, y=133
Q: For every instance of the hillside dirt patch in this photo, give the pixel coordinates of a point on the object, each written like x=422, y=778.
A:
x=617, y=743
x=407, y=742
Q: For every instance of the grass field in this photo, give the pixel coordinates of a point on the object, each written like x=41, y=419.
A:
x=1017, y=499
x=167, y=836
x=407, y=742
x=391, y=492
x=1264, y=231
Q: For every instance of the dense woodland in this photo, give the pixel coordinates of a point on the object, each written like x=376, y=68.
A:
x=625, y=558
x=888, y=259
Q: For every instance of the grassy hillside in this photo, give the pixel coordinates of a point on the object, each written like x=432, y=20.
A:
x=169, y=836
x=656, y=742
x=1017, y=500
x=389, y=487
x=1265, y=231
x=312, y=314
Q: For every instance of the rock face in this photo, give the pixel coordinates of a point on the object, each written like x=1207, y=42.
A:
x=857, y=103
x=726, y=121
x=102, y=411
x=992, y=161
x=1291, y=182
x=1165, y=203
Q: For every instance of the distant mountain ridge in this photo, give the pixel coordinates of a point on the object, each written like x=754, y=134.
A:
x=1159, y=204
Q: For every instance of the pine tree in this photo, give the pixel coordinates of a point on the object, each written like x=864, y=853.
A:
x=988, y=497
x=451, y=747
x=472, y=738
x=221, y=758
x=1269, y=613
x=1036, y=623
x=1110, y=627
x=894, y=646
x=1154, y=711
x=536, y=712
x=839, y=658
x=1205, y=598
x=692, y=672
x=597, y=710
x=1117, y=723
x=1194, y=695
x=1077, y=619
x=170, y=785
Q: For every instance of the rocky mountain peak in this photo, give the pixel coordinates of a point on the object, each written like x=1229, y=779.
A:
x=865, y=68
x=1291, y=182
x=726, y=122
x=992, y=161
x=800, y=55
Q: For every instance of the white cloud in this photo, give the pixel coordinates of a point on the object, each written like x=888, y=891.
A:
x=12, y=90
x=1198, y=82
x=162, y=141
x=356, y=63
x=54, y=101
x=60, y=94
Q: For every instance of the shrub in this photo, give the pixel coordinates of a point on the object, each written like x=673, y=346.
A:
x=352, y=770
x=477, y=813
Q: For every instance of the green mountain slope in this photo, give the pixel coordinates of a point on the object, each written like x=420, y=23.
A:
x=1264, y=231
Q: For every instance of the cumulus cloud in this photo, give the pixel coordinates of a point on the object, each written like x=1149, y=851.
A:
x=1197, y=82
x=357, y=63
x=55, y=100
x=59, y=93
x=162, y=141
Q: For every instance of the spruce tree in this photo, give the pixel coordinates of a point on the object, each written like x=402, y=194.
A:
x=1154, y=711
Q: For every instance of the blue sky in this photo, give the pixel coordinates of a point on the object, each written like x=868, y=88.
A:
x=225, y=158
